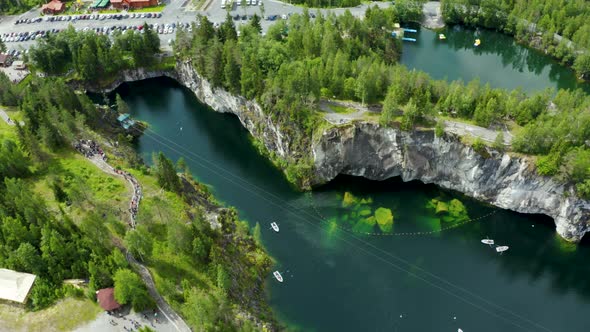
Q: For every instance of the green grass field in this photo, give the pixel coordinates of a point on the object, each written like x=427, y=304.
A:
x=65, y=315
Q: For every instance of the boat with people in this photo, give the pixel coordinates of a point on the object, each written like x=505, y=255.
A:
x=442, y=36
x=278, y=276
x=274, y=226
x=477, y=42
x=501, y=249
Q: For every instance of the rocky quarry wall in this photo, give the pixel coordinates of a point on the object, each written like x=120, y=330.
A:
x=369, y=150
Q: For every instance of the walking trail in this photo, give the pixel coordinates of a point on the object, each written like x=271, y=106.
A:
x=456, y=127
x=96, y=155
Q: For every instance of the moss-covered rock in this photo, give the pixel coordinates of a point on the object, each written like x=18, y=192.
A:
x=457, y=212
x=365, y=225
x=349, y=200
x=384, y=219
x=441, y=207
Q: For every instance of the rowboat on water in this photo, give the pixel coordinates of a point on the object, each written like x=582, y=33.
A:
x=274, y=226
x=487, y=241
x=477, y=42
x=278, y=276
x=501, y=249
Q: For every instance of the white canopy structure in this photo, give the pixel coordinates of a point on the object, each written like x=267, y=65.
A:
x=15, y=286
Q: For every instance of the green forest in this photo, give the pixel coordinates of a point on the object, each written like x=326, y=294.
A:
x=533, y=22
x=8, y=7
x=62, y=218
x=95, y=57
x=300, y=61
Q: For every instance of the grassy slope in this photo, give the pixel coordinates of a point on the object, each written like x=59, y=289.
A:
x=59, y=317
x=110, y=195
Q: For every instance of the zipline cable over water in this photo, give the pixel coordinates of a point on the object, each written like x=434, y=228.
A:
x=410, y=269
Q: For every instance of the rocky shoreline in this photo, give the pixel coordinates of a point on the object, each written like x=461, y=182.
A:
x=367, y=149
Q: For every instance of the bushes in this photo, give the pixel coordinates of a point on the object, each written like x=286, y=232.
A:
x=130, y=289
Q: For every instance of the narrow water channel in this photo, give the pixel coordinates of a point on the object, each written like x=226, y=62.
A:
x=341, y=281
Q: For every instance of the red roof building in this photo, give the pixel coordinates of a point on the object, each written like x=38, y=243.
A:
x=106, y=299
x=4, y=60
x=125, y=4
x=53, y=7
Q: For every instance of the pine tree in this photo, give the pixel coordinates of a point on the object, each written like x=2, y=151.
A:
x=166, y=174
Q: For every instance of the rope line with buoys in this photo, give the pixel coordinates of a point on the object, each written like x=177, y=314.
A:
x=442, y=229
x=392, y=260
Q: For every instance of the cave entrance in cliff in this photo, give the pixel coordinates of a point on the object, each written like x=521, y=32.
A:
x=585, y=242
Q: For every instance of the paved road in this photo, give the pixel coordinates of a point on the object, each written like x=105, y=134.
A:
x=6, y=118
x=176, y=11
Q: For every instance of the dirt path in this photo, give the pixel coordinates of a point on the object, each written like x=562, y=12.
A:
x=340, y=118
x=455, y=127
x=174, y=319
x=485, y=134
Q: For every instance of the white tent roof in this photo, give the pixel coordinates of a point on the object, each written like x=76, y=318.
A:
x=15, y=286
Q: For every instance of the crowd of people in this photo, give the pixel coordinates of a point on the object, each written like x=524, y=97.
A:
x=90, y=149
x=135, y=325
x=134, y=204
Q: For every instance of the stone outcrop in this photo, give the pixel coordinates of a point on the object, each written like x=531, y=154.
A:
x=378, y=153
x=127, y=76
x=249, y=113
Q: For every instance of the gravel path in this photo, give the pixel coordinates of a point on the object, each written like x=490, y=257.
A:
x=485, y=134
x=340, y=118
x=455, y=127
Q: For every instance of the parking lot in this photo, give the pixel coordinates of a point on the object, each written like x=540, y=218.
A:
x=22, y=31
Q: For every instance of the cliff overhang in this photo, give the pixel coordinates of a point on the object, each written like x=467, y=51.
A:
x=366, y=149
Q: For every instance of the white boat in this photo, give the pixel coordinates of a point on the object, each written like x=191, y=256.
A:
x=501, y=249
x=274, y=226
x=278, y=276
x=487, y=241
x=459, y=330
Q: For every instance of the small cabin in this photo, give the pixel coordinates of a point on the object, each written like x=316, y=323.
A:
x=53, y=7
x=126, y=121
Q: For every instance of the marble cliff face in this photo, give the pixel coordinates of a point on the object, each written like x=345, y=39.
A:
x=375, y=152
